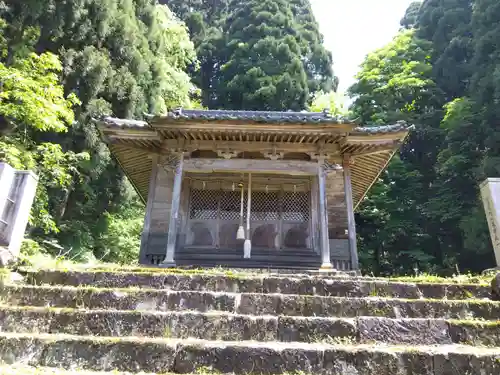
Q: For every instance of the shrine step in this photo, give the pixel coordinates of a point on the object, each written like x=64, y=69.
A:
x=260, y=258
x=246, y=303
x=244, y=283
x=188, y=356
x=233, y=327
x=17, y=369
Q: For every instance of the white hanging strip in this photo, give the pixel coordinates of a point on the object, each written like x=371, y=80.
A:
x=247, y=247
x=240, y=235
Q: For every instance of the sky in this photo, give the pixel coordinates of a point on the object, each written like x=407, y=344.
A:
x=354, y=28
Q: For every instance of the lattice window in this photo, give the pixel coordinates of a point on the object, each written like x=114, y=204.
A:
x=204, y=204
x=265, y=206
x=230, y=205
x=296, y=207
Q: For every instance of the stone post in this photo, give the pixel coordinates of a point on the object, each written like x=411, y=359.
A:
x=175, y=162
x=490, y=193
x=351, y=223
x=326, y=263
x=16, y=201
x=6, y=179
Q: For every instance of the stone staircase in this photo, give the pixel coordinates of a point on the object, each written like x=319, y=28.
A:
x=305, y=259
x=97, y=322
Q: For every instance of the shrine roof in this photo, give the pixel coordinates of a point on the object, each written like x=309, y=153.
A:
x=224, y=117
x=267, y=117
x=132, y=141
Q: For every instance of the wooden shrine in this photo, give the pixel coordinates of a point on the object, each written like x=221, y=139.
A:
x=250, y=189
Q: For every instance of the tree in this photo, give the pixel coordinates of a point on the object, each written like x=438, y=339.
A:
x=124, y=58
x=333, y=102
x=455, y=145
x=395, y=84
x=447, y=24
x=295, y=65
x=32, y=102
x=270, y=63
x=410, y=18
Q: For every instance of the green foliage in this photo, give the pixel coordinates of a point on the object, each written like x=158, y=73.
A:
x=333, y=102
x=265, y=51
x=32, y=96
x=257, y=54
x=121, y=242
x=431, y=191
x=32, y=102
x=122, y=58
x=411, y=16
x=395, y=81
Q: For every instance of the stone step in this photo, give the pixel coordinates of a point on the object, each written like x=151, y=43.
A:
x=245, y=303
x=188, y=356
x=30, y=370
x=239, y=283
x=234, y=327
x=261, y=258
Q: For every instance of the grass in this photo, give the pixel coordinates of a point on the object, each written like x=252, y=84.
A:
x=46, y=262
x=434, y=279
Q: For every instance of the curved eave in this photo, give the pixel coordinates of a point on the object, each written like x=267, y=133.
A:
x=137, y=166
x=368, y=165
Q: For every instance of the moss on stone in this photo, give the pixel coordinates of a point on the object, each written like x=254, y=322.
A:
x=477, y=323
x=471, y=280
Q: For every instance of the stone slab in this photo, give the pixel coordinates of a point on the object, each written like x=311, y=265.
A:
x=490, y=194
x=189, y=356
x=232, y=327
x=30, y=370
x=246, y=303
x=238, y=283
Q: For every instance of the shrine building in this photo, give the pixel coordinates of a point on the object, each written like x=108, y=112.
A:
x=250, y=189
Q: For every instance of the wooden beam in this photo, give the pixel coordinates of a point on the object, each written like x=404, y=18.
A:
x=132, y=134
x=291, y=167
x=377, y=138
x=247, y=126
x=263, y=146
x=377, y=149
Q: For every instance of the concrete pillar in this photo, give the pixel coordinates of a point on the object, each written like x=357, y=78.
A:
x=177, y=165
x=351, y=223
x=326, y=263
x=15, y=212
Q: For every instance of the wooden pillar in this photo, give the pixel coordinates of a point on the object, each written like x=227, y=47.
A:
x=175, y=162
x=316, y=239
x=351, y=223
x=149, y=209
x=326, y=262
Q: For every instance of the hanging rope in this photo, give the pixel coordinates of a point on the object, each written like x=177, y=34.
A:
x=247, y=247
